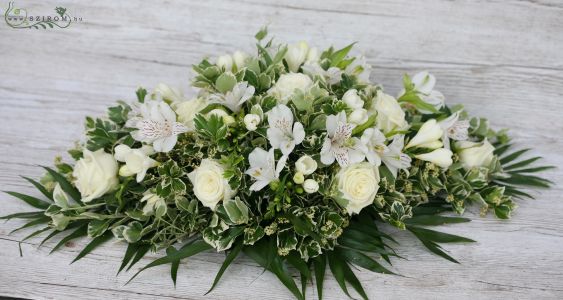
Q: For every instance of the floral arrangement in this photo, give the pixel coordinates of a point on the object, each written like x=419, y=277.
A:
x=290, y=156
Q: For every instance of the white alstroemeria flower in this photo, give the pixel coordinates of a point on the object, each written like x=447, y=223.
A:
x=454, y=129
x=394, y=159
x=428, y=136
x=332, y=76
x=424, y=83
x=263, y=167
x=283, y=133
x=339, y=144
x=235, y=98
x=374, y=140
x=441, y=157
x=156, y=124
x=137, y=161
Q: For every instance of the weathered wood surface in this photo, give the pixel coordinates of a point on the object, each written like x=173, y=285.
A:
x=503, y=59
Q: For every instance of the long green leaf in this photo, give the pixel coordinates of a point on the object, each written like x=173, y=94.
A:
x=131, y=250
x=186, y=251
x=527, y=180
x=40, y=187
x=500, y=150
x=233, y=253
x=319, y=264
x=35, y=233
x=434, y=220
x=533, y=170
x=38, y=221
x=342, y=273
x=79, y=232
x=173, y=265
x=513, y=156
x=23, y=215
x=66, y=186
x=37, y=203
x=435, y=248
x=521, y=164
x=143, y=249
x=93, y=245
x=364, y=261
x=437, y=236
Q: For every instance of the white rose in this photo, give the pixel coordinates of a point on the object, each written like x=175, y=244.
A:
x=96, y=174
x=352, y=99
x=358, y=116
x=240, y=58
x=225, y=62
x=288, y=83
x=473, y=155
x=210, y=187
x=390, y=115
x=428, y=136
x=310, y=186
x=296, y=55
x=358, y=184
x=187, y=110
x=227, y=119
x=137, y=161
x=251, y=122
x=440, y=157
x=306, y=165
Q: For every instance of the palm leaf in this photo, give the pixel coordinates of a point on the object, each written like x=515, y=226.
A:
x=319, y=264
x=37, y=203
x=66, y=186
x=79, y=232
x=40, y=187
x=93, y=245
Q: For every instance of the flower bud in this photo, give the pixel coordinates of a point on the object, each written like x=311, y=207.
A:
x=310, y=186
x=251, y=122
x=298, y=178
x=306, y=165
x=352, y=99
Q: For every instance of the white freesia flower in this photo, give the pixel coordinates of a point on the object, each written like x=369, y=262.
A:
x=390, y=115
x=251, y=122
x=156, y=124
x=210, y=186
x=424, y=83
x=374, y=140
x=428, y=136
x=454, y=129
x=225, y=62
x=235, y=98
x=95, y=174
x=263, y=168
x=358, y=116
x=287, y=84
x=352, y=99
x=310, y=186
x=339, y=144
x=394, y=158
x=332, y=76
x=187, y=110
x=137, y=161
x=167, y=93
x=283, y=133
x=473, y=154
x=441, y=157
x=296, y=55
x=358, y=185
x=306, y=165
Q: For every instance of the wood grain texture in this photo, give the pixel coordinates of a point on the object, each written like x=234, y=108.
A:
x=503, y=59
